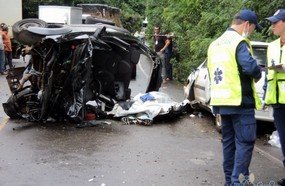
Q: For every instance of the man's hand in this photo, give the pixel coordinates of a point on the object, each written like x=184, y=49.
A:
x=256, y=80
x=280, y=68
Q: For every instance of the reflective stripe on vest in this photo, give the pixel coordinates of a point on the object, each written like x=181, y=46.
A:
x=223, y=70
x=275, y=92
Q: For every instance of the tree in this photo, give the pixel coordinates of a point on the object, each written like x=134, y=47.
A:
x=196, y=24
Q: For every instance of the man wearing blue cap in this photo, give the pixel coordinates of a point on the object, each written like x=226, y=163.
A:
x=233, y=71
x=275, y=91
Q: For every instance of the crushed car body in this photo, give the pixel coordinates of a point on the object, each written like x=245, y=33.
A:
x=71, y=65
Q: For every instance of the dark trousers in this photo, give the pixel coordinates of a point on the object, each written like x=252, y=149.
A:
x=239, y=134
x=2, y=61
x=279, y=121
x=9, y=58
x=168, y=66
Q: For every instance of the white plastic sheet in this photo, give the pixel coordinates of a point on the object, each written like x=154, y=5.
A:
x=274, y=139
x=161, y=104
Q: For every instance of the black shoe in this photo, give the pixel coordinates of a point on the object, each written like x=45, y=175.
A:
x=281, y=182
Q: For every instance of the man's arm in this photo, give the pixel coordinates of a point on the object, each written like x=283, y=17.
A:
x=247, y=62
x=167, y=42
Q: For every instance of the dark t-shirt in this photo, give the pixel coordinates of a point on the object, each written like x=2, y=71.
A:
x=159, y=42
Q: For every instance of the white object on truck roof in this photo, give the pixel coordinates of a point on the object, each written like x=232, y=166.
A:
x=61, y=14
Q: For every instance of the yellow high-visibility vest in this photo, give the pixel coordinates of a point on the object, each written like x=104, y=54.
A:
x=225, y=81
x=275, y=91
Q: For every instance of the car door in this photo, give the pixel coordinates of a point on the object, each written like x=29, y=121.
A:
x=259, y=53
x=202, y=85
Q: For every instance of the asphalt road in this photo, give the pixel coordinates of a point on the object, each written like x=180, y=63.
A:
x=186, y=151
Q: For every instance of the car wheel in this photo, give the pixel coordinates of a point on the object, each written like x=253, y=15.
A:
x=21, y=34
x=218, y=123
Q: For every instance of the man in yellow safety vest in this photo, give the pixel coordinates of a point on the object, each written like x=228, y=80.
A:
x=275, y=91
x=232, y=72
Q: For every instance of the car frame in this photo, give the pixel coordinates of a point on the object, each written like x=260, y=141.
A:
x=197, y=89
x=72, y=65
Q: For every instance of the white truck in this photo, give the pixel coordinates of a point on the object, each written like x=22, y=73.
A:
x=83, y=13
x=11, y=12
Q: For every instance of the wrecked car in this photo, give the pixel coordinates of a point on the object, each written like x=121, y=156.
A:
x=71, y=65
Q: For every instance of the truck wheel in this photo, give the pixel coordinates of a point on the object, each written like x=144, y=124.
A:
x=94, y=20
x=21, y=34
x=218, y=123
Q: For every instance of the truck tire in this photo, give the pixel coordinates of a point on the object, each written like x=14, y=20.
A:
x=21, y=34
x=94, y=20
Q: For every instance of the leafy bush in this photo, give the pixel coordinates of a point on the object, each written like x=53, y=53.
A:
x=196, y=24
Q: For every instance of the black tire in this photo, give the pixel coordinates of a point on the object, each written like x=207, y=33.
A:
x=218, y=123
x=94, y=20
x=21, y=34
x=10, y=108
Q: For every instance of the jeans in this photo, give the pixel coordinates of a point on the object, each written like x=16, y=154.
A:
x=9, y=58
x=239, y=134
x=162, y=57
x=168, y=66
x=279, y=121
x=2, y=61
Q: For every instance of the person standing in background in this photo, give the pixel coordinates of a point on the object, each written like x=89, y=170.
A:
x=7, y=45
x=168, y=55
x=2, y=55
x=161, y=42
x=275, y=89
x=233, y=71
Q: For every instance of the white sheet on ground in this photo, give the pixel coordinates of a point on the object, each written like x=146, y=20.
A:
x=161, y=104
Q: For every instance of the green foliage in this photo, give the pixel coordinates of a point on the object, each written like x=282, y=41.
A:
x=131, y=17
x=265, y=9
x=196, y=23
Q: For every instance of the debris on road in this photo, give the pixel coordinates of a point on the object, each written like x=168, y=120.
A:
x=274, y=139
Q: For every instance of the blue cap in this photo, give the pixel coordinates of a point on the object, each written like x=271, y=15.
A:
x=278, y=15
x=250, y=16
